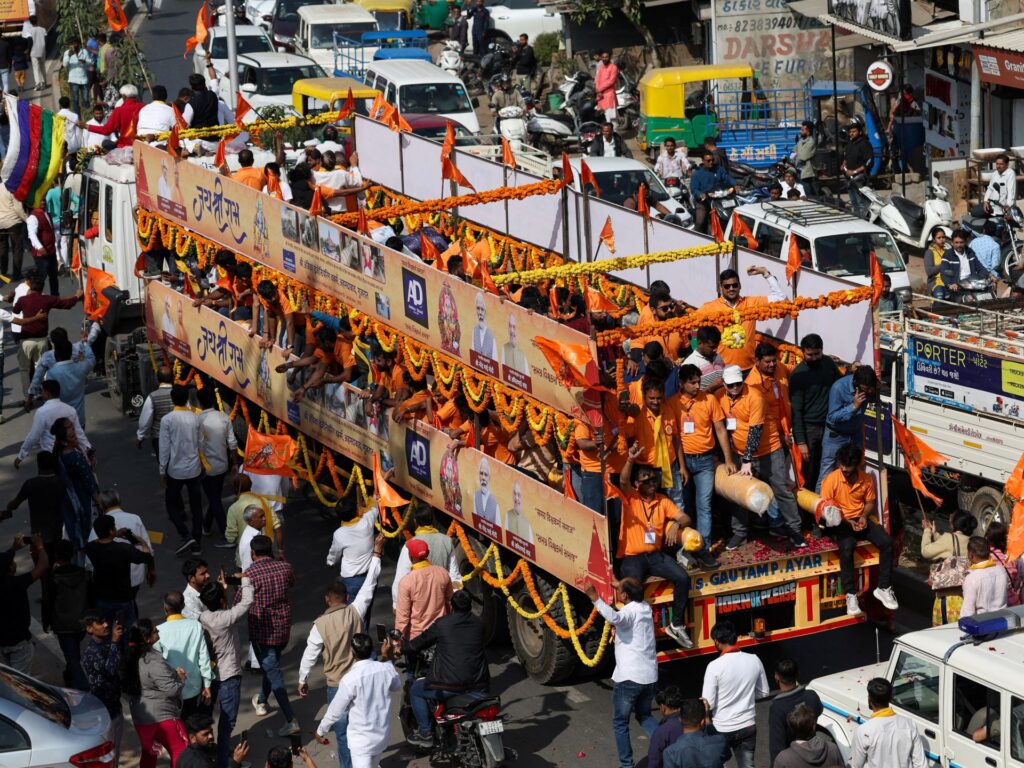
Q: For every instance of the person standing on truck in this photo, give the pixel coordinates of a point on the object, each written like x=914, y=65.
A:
x=705, y=356
x=885, y=739
x=653, y=428
x=852, y=490
x=809, y=386
x=37, y=36
x=856, y=165
x=121, y=118
x=730, y=299
x=635, y=677
x=732, y=685
x=651, y=521
x=844, y=424
x=986, y=583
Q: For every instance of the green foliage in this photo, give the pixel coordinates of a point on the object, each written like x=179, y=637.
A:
x=294, y=136
x=596, y=12
x=545, y=47
x=78, y=19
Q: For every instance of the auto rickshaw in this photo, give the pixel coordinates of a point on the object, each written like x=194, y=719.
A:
x=319, y=94
x=392, y=15
x=433, y=14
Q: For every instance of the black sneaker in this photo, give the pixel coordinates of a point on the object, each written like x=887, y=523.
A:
x=185, y=544
x=707, y=560
x=735, y=542
x=797, y=540
x=816, y=532
x=421, y=740
x=195, y=549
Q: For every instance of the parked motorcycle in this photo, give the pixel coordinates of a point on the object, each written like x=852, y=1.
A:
x=910, y=223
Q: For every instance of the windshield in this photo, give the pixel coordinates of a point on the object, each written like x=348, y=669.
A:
x=390, y=21
x=847, y=255
x=279, y=81
x=435, y=98
x=322, y=35
x=35, y=696
x=244, y=44
x=616, y=186
x=437, y=132
x=288, y=10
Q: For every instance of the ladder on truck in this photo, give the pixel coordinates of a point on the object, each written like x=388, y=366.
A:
x=351, y=57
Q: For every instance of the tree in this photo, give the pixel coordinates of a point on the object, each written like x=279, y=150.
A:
x=599, y=12
x=79, y=19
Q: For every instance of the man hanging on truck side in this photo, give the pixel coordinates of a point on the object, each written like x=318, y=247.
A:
x=844, y=424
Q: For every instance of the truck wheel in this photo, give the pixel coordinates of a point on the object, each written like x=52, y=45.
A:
x=487, y=601
x=547, y=658
x=988, y=506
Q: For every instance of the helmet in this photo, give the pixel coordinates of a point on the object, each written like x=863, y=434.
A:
x=857, y=123
x=330, y=133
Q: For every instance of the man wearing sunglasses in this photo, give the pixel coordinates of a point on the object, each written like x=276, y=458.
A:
x=740, y=351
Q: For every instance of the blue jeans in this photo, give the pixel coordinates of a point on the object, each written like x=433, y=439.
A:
x=352, y=586
x=830, y=445
x=269, y=657
x=676, y=491
x=588, y=487
x=340, y=733
x=629, y=698
x=79, y=97
x=421, y=697
x=699, y=491
x=229, y=694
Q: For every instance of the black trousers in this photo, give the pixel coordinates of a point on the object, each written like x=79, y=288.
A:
x=176, y=507
x=847, y=539
x=213, y=488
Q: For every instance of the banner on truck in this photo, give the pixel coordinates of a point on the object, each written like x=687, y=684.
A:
x=464, y=322
x=565, y=538
x=965, y=378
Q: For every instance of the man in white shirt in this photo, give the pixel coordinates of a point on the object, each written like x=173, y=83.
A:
x=987, y=582
x=706, y=357
x=885, y=740
x=636, y=662
x=180, y=468
x=72, y=135
x=53, y=408
x=365, y=694
x=254, y=523
x=732, y=684
x=38, y=54
x=218, y=445
x=110, y=504
x=352, y=545
x=671, y=164
x=1001, y=192
x=197, y=574
x=99, y=117
x=157, y=116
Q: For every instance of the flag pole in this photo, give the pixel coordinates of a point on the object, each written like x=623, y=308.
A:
x=138, y=57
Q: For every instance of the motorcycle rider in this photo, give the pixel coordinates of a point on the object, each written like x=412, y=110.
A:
x=505, y=96
x=608, y=144
x=1001, y=192
x=709, y=177
x=459, y=667
x=856, y=164
x=671, y=164
x=960, y=264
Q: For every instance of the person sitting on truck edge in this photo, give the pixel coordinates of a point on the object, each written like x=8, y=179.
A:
x=322, y=359
x=650, y=521
x=987, y=582
x=707, y=178
x=276, y=307
x=844, y=424
x=701, y=421
x=809, y=385
x=791, y=695
x=220, y=295
x=729, y=286
x=959, y=264
x=885, y=738
x=121, y=118
x=852, y=490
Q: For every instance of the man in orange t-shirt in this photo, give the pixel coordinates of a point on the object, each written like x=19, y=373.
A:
x=649, y=522
x=276, y=307
x=853, y=490
x=585, y=470
x=322, y=360
x=729, y=283
x=701, y=421
x=774, y=465
x=656, y=429
x=247, y=174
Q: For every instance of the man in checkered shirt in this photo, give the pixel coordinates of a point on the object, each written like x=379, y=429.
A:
x=270, y=619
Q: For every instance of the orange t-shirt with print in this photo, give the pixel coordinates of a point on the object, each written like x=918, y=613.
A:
x=643, y=523
x=697, y=417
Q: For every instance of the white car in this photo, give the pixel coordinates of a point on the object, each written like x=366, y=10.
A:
x=619, y=178
x=518, y=17
x=248, y=39
x=318, y=26
x=258, y=12
x=266, y=79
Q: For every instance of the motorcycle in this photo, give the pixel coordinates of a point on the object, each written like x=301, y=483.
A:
x=450, y=58
x=910, y=223
x=974, y=291
x=512, y=126
x=1009, y=222
x=466, y=728
x=722, y=204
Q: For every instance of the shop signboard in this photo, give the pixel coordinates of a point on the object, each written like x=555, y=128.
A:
x=882, y=17
x=999, y=67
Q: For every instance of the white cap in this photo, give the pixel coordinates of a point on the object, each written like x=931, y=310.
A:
x=732, y=374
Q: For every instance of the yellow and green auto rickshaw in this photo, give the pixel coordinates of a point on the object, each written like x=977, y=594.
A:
x=391, y=15
x=318, y=94
x=433, y=14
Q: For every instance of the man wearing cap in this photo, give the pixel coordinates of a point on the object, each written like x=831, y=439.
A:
x=101, y=662
x=424, y=595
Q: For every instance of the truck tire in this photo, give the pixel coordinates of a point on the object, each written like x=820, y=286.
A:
x=488, y=603
x=547, y=658
x=987, y=506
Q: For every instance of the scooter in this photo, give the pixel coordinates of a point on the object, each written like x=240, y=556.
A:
x=450, y=58
x=910, y=223
x=1009, y=222
x=974, y=291
x=512, y=126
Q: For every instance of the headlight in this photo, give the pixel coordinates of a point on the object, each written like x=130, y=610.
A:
x=906, y=294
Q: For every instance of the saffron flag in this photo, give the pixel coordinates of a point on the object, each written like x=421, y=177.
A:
x=449, y=142
x=642, y=206
x=347, y=108
x=361, y=226
x=93, y=301
x=274, y=186
x=204, y=20
x=877, y=284
x=486, y=281
x=179, y=119
x=607, y=234
x=129, y=135
x=383, y=493
x=566, y=360
x=220, y=159
x=793, y=262
x=242, y=108
x=917, y=455
x=507, y=157
x=716, y=226
x=598, y=302
x=1015, y=487
x=377, y=107
x=449, y=171
x=587, y=177
x=567, y=176
x=567, y=489
x=316, y=206
x=741, y=229
x=428, y=251
x=269, y=454
x=115, y=15
x=173, y=144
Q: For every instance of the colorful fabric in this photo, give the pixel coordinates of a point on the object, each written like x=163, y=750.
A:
x=35, y=151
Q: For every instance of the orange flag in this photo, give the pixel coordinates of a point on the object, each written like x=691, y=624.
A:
x=486, y=281
x=449, y=142
x=607, y=234
x=877, y=284
x=242, y=108
x=220, y=159
x=567, y=490
x=612, y=491
x=1015, y=487
x=115, y=15
x=361, y=226
x=917, y=455
x=173, y=145
x=566, y=360
x=553, y=301
x=274, y=186
x=716, y=226
x=428, y=251
x=598, y=302
x=269, y=454
x=642, y=206
x=316, y=206
x=179, y=119
x=94, y=302
x=567, y=176
x=129, y=135
x=383, y=493
x=449, y=171
x=793, y=263
x=507, y=157
x=377, y=107
x=203, y=23
x=348, y=107
x=403, y=124
x=587, y=177
x=740, y=228
x=76, y=259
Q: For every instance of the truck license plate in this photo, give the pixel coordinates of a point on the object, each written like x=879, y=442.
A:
x=490, y=726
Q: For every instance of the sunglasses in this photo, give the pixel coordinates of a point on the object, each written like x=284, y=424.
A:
x=730, y=285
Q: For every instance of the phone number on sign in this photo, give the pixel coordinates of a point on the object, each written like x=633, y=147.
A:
x=763, y=24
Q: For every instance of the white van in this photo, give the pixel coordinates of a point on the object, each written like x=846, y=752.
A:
x=831, y=240
x=419, y=87
x=318, y=24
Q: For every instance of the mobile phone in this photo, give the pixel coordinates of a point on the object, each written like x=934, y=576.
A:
x=233, y=580
x=245, y=736
x=296, y=740
x=382, y=633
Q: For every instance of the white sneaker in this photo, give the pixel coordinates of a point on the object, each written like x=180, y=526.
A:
x=886, y=598
x=260, y=706
x=853, y=606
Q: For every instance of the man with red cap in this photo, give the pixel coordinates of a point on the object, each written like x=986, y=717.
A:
x=424, y=594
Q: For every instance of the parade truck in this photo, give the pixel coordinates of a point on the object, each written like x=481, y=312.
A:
x=954, y=375
x=527, y=549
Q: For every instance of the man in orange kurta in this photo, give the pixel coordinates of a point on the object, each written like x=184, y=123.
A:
x=730, y=299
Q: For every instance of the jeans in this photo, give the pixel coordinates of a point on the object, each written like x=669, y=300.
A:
x=340, y=733
x=588, y=487
x=18, y=656
x=420, y=697
x=700, y=490
x=847, y=539
x=664, y=566
x=352, y=586
x=229, y=694
x=742, y=743
x=857, y=201
x=12, y=251
x=79, y=97
x=269, y=657
x=830, y=446
x=773, y=468
x=71, y=647
x=176, y=508
x=636, y=699
x=213, y=488
x=675, y=493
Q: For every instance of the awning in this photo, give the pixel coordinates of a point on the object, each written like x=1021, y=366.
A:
x=1005, y=41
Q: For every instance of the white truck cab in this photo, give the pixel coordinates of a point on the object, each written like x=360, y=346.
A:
x=964, y=692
